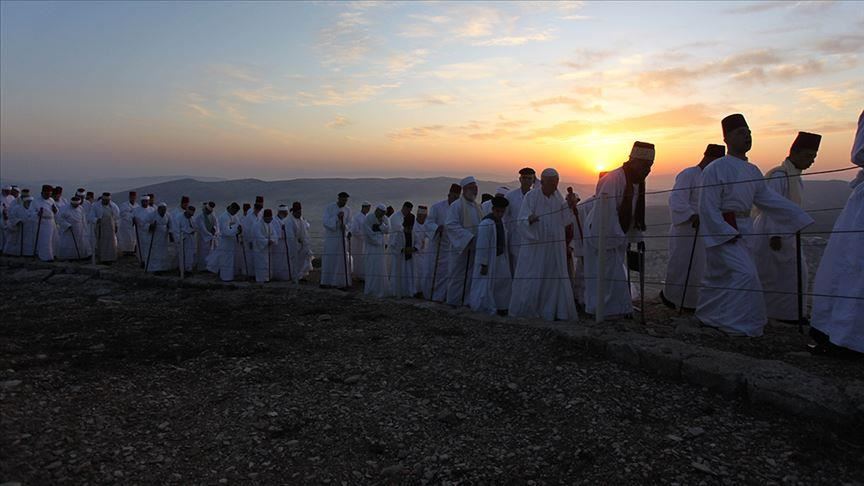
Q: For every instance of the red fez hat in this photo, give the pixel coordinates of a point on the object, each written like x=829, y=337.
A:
x=268, y=212
x=58, y=189
x=184, y=199
x=90, y=193
x=246, y=206
x=133, y=193
x=732, y=122
x=806, y=141
x=715, y=151
x=47, y=188
x=456, y=188
x=106, y=194
x=527, y=171
x=296, y=205
x=259, y=199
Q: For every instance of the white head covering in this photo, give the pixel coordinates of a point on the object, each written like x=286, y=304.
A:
x=468, y=180
x=145, y=198
x=503, y=190
x=422, y=210
x=381, y=206
x=162, y=205
x=549, y=172
x=365, y=203
x=283, y=207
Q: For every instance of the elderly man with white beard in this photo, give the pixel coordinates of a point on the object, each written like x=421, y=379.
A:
x=22, y=222
x=463, y=219
x=527, y=180
x=71, y=226
x=222, y=260
x=541, y=284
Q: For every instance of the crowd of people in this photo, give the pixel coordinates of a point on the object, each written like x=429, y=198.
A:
x=531, y=251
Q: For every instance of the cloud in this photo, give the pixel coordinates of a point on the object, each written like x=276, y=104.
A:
x=481, y=22
x=416, y=133
x=516, y=40
x=780, y=72
x=841, y=44
x=423, y=101
x=836, y=97
x=676, y=76
x=424, y=26
x=259, y=96
x=574, y=104
x=587, y=58
x=345, y=42
x=332, y=96
x=801, y=6
x=339, y=122
x=234, y=72
x=467, y=71
x=400, y=63
x=200, y=110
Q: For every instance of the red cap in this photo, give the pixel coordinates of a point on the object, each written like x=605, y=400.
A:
x=184, y=199
x=268, y=212
x=259, y=199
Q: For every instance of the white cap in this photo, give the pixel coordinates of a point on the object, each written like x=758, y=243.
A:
x=503, y=190
x=422, y=210
x=468, y=180
x=283, y=207
x=549, y=172
x=381, y=206
x=28, y=198
x=162, y=205
x=145, y=198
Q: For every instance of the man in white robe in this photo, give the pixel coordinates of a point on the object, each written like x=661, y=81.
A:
x=183, y=228
x=402, y=253
x=281, y=266
x=527, y=180
x=624, y=221
x=303, y=254
x=838, y=322
x=142, y=242
x=774, y=245
x=375, y=228
x=6, y=201
x=491, y=280
x=424, y=239
x=125, y=229
x=249, y=222
x=71, y=226
x=103, y=219
x=440, y=245
x=541, y=284
x=463, y=218
x=730, y=297
x=336, y=259
x=22, y=223
x=222, y=260
x=57, y=196
x=206, y=234
x=46, y=230
x=158, y=226
x=357, y=242
x=264, y=241
x=176, y=213
x=684, y=245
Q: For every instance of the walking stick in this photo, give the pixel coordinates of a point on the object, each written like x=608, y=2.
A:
x=641, y=248
x=627, y=264
x=287, y=253
x=137, y=243
x=21, y=238
x=38, y=230
x=75, y=241
x=435, y=268
x=97, y=243
x=243, y=251
x=150, y=250
x=689, y=266
x=182, y=256
x=465, y=279
x=345, y=254
x=799, y=262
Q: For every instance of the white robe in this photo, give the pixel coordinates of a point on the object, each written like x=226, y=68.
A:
x=541, y=283
x=246, y=252
x=336, y=259
x=46, y=230
x=424, y=240
x=491, y=292
x=265, y=239
x=22, y=230
x=684, y=203
x=206, y=236
x=376, y=283
x=183, y=230
x=71, y=223
x=223, y=259
x=357, y=249
x=143, y=236
x=125, y=230
x=103, y=221
x=616, y=294
x=841, y=271
x=778, y=270
x=401, y=272
x=6, y=203
x=730, y=297
x=303, y=255
x=511, y=215
x=440, y=248
x=282, y=265
x=463, y=218
x=160, y=256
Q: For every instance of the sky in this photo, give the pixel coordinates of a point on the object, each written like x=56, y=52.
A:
x=281, y=90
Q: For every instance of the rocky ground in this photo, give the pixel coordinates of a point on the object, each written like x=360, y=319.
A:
x=102, y=382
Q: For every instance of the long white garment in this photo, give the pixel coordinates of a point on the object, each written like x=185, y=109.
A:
x=358, y=243
x=335, y=262
x=184, y=231
x=206, y=237
x=376, y=282
x=103, y=221
x=440, y=245
x=303, y=254
x=6, y=203
x=264, y=240
x=401, y=270
x=71, y=224
x=158, y=256
x=22, y=235
x=46, y=230
x=424, y=240
x=841, y=271
x=730, y=297
x=249, y=223
x=616, y=294
x=541, y=283
x=463, y=218
x=282, y=265
x=143, y=236
x=491, y=292
x=222, y=260
x=511, y=215
x=578, y=250
x=684, y=203
x=125, y=229
x=778, y=270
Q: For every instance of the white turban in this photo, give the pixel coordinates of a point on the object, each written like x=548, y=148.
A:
x=503, y=190
x=162, y=205
x=381, y=206
x=549, y=172
x=145, y=198
x=283, y=207
x=468, y=180
x=28, y=198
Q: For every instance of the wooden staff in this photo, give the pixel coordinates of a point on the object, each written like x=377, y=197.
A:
x=689, y=267
x=287, y=253
x=150, y=249
x=465, y=279
x=344, y=251
x=137, y=243
x=38, y=230
x=435, y=268
x=800, y=269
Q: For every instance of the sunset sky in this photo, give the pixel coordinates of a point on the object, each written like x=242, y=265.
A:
x=285, y=90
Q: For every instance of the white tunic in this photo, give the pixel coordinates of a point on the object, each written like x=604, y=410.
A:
x=730, y=297
x=264, y=240
x=511, y=215
x=401, y=270
x=357, y=244
x=22, y=230
x=541, y=283
x=491, y=292
x=158, y=256
x=336, y=260
x=463, y=218
x=222, y=260
x=206, y=237
x=282, y=266
x=376, y=282
x=125, y=229
x=46, y=230
x=142, y=243
x=425, y=241
x=184, y=231
x=103, y=221
x=440, y=249
x=303, y=254
x=71, y=226
x=246, y=252
x=684, y=203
